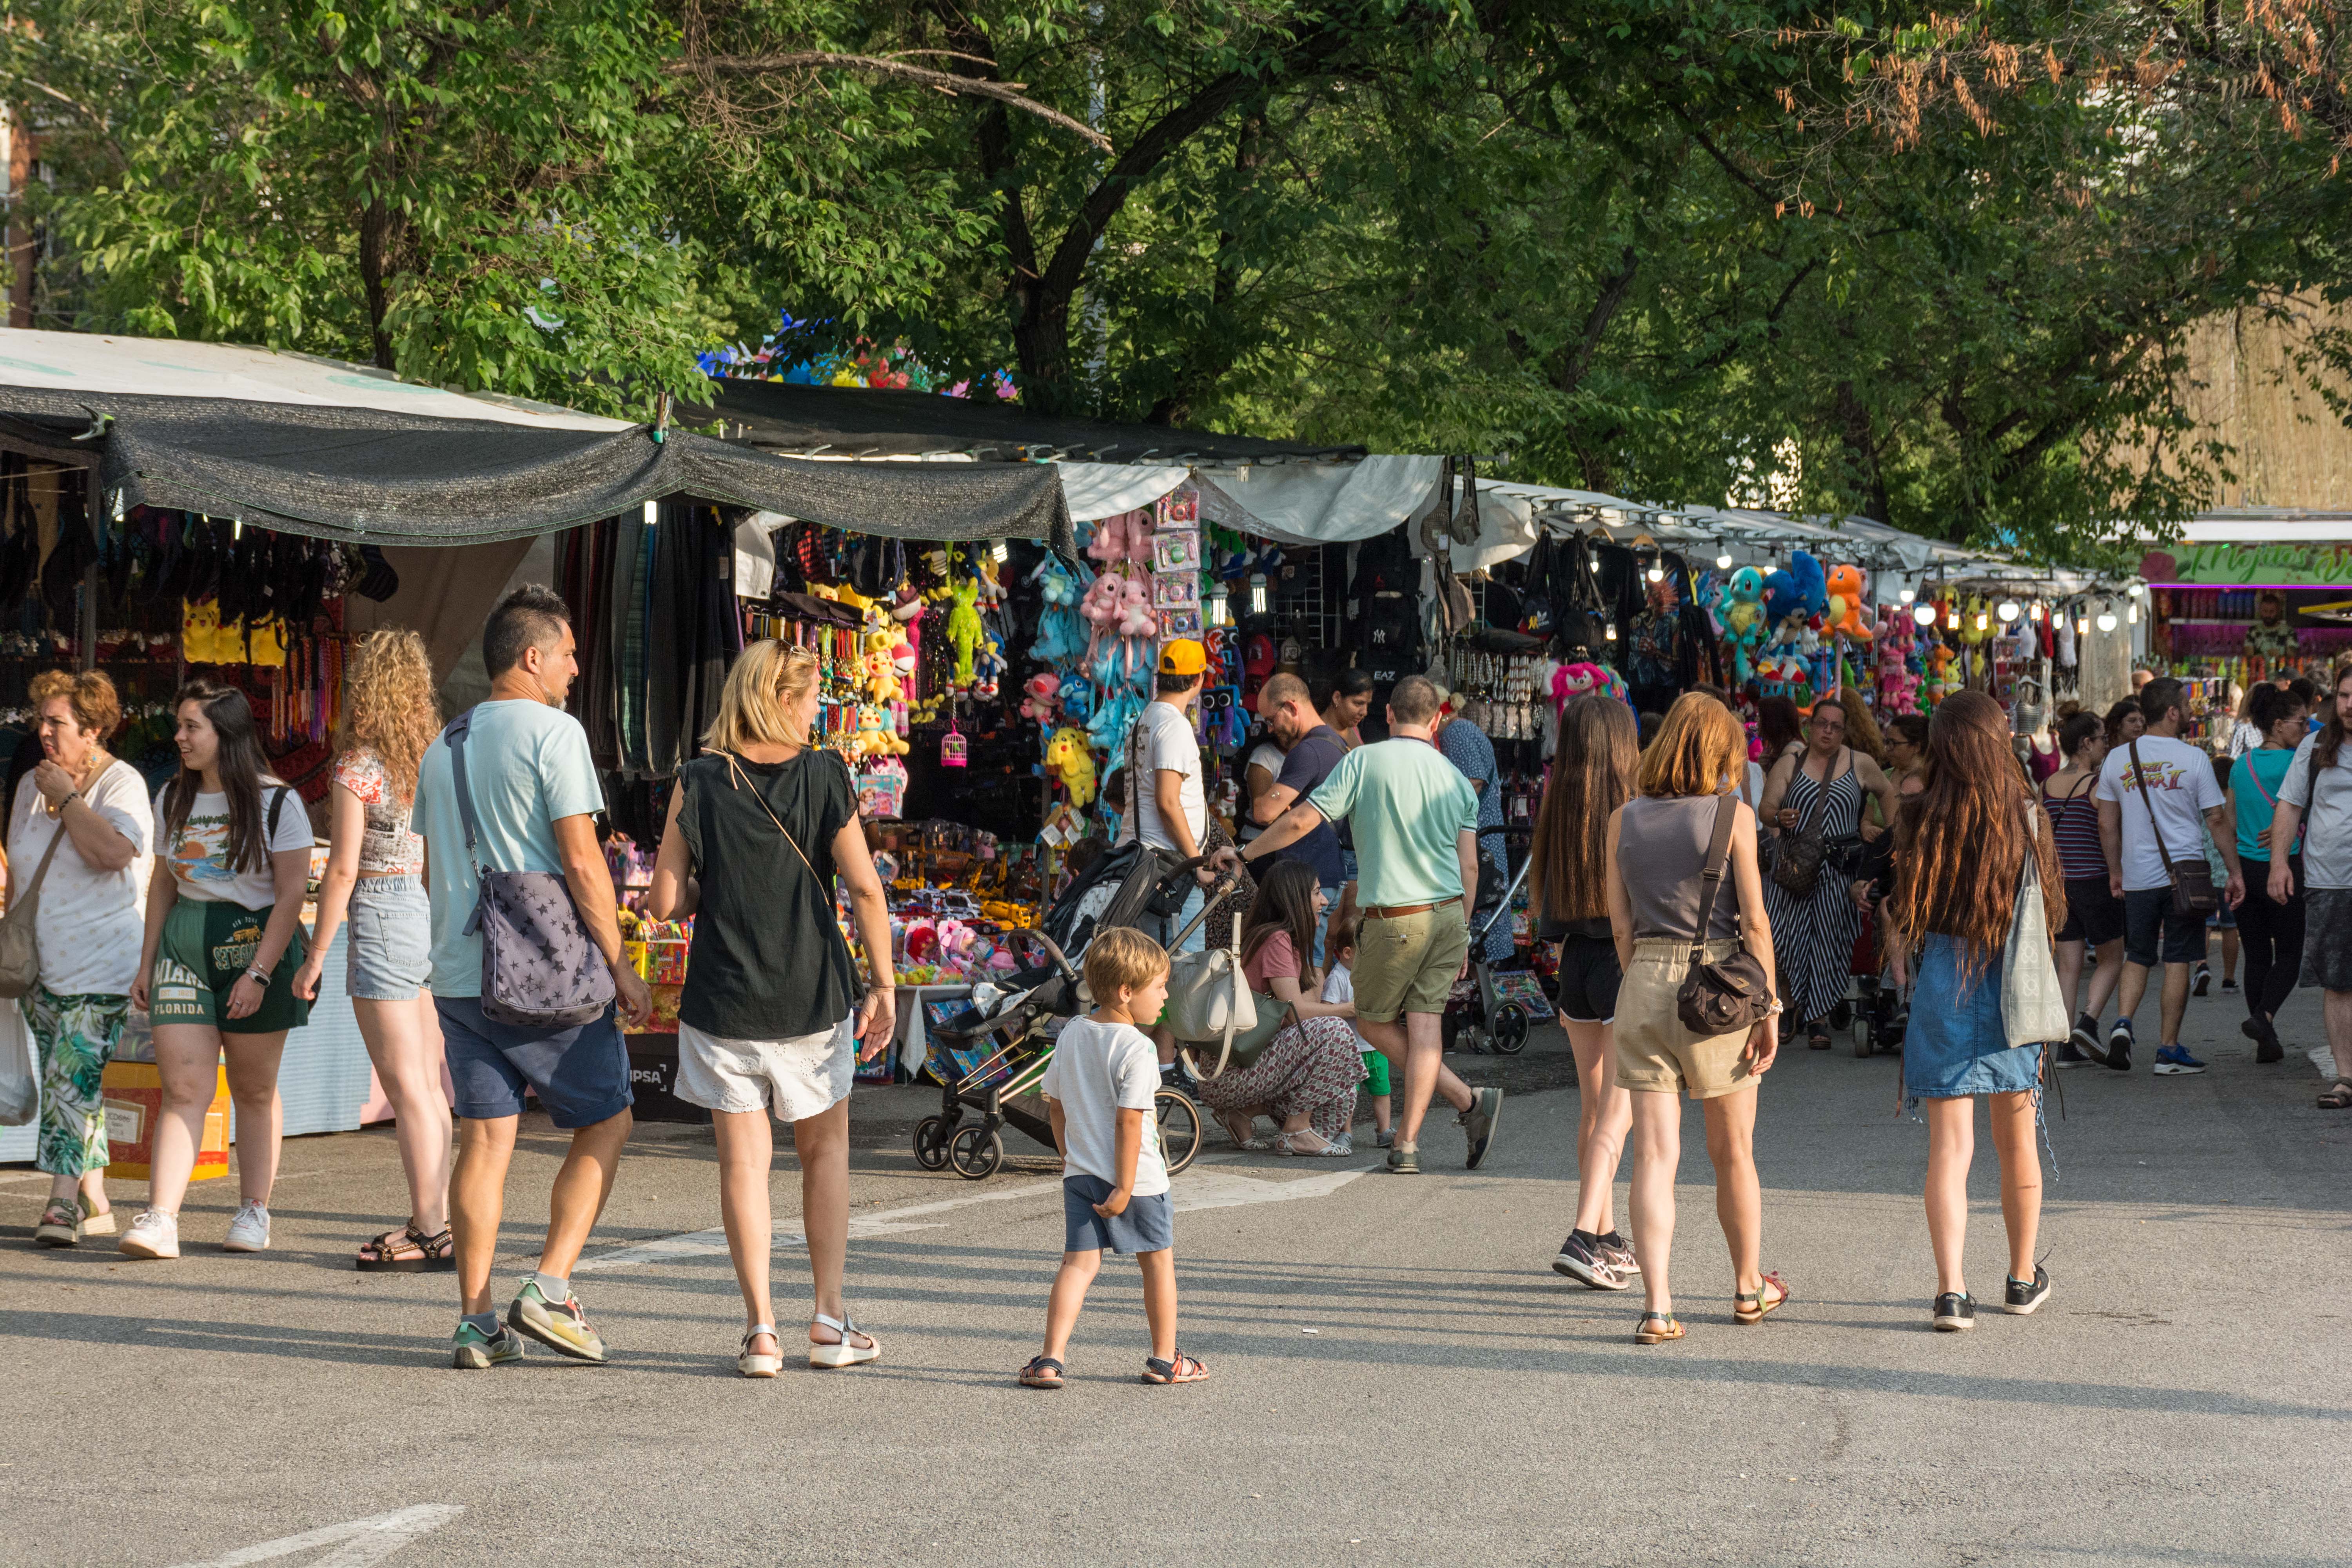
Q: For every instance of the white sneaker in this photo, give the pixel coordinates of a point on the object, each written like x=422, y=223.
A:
x=153, y=1234
x=249, y=1231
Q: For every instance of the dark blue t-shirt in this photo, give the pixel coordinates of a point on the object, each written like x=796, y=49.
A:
x=1304, y=767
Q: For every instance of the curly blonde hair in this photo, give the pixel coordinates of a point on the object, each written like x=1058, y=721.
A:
x=390, y=706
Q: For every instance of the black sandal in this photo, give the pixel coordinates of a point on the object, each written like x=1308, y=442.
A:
x=2337, y=1096
x=1182, y=1369
x=425, y=1254
x=1043, y=1371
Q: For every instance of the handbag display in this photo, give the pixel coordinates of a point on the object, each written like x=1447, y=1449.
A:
x=2193, y=894
x=20, y=953
x=2032, y=1009
x=1726, y=998
x=1797, y=853
x=540, y=971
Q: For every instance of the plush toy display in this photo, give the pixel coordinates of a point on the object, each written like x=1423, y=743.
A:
x=1845, y=606
x=1071, y=764
x=1741, y=610
x=963, y=627
x=1038, y=694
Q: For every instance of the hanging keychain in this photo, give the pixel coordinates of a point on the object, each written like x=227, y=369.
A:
x=952, y=745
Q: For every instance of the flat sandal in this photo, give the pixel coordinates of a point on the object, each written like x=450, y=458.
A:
x=1669, y=1328
x=1750, y=1306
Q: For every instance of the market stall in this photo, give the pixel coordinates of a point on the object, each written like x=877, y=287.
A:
x=2246, y=596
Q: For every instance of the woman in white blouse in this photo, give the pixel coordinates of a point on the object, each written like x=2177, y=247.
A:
x=87, y=816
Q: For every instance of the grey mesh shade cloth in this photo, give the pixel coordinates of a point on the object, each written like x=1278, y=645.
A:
x=387, y=478
x=863, y=422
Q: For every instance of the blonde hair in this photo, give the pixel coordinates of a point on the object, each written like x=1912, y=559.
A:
x=1697, y=749
x=754, y=705
x=1122, y=959
x=90, y=694
x=391, y=709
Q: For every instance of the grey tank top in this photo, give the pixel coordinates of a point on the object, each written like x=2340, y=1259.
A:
x=1661, y=854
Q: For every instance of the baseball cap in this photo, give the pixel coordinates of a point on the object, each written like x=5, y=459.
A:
x=1183, y=657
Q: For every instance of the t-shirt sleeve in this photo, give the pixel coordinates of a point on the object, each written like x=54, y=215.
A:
x=1467, y=818
x=2291, y=791
x=424, y=791
x=1278, y=957
x=364, y=779
x=2110, y=772
x=293, y=831
x=1173, y=748
x=1335, y=797
x=1308, y=763
x=161, y=826
x=2209, y=788
x=118, y=798
x=568, y=774
x=1137, y=1068
x=1050, y=1085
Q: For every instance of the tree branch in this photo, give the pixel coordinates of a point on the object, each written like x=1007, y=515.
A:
x=709, y=65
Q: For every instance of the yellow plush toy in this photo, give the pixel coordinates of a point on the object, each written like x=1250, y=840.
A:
x=1069, y=760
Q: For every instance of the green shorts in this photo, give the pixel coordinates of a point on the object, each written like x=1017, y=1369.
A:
x=1408, y=963
x=1376, y=1075
x=205, y=947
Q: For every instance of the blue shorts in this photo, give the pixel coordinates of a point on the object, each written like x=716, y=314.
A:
x=581, y=1074
x=388, y=946
x=1147, y=1225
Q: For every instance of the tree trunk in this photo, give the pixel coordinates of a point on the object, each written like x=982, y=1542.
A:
x=376, y=244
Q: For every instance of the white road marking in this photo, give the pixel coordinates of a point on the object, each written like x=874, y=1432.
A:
x=1202, y=1187
x=365, y=1540
x=2325, y=1061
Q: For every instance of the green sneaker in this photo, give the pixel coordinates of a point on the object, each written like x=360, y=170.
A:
x=561, y=1326
x=474, y=1349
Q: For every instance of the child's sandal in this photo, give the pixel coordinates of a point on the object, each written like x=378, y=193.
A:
x=1183, y=1369
x=1669, y=1328
x=1043, y=1371
x=1750, y=1306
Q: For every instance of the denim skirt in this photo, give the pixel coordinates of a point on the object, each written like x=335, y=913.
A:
x=1955, y=1045
x=388, y=950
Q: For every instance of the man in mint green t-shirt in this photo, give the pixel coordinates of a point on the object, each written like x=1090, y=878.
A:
x=1415, y=821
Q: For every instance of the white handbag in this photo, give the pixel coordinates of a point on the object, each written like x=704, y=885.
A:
x=2032, y=1012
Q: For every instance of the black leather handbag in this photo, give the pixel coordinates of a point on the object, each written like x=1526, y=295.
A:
x=1797, y=853
x=1727, y=997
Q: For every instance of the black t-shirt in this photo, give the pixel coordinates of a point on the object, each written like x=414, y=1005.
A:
x=1304, y=766
x=767, y=962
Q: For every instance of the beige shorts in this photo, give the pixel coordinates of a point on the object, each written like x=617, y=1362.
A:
x=1408, y=963
x=794, y=1077
x=1655, y=1051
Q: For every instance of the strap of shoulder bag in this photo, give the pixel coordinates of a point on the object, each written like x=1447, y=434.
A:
x=31, y=888
x=739, y=779
x=455, y=735
x=2164, y=853
x=1718, y=854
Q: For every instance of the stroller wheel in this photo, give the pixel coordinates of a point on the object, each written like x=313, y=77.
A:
x=976, y=1154
x=1510, y=1035
x=931, y=1143
x=1180, y=1126
x=1862, y=1036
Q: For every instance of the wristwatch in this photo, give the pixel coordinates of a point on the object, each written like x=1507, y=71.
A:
x=259, y=975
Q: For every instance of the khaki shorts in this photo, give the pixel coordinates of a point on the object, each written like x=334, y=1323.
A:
x=1655, y=1051
x=1408, y=963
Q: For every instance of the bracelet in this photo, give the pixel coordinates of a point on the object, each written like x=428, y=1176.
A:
x=259, y=975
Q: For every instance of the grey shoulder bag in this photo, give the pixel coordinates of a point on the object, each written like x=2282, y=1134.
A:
x=20, y=953
x=540, y=971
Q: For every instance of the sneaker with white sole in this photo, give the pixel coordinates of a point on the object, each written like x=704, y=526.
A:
x=1479, y=1124
x=249, y=1231
x=2024, y=1296
x=1954, y=1312
x=2171, y=1061
x=1618, y=1253
x=560, y=1326
x=2119, y=1045
x=1384, y=1137
x=472, y=1349
x=1579, y=1259
x=153, y=1234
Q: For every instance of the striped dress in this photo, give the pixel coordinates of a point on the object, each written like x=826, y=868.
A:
x=1813, y=937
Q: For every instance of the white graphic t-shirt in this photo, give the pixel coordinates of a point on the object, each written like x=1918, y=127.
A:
x=2180, y=783
x=198, y=854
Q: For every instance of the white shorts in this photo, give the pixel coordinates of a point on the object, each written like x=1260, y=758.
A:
x=798, y=1078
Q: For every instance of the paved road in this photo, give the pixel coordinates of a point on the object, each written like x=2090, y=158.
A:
x=1399, y=1378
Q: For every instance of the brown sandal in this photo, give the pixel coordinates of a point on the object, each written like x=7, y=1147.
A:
x=1750, y=1306
x=408, y=1250
x=1669, y=1328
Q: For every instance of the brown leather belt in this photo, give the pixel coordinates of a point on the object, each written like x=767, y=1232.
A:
x=1398, y=911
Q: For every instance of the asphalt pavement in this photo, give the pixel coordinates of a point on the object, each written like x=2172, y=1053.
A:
x=1398, y=1375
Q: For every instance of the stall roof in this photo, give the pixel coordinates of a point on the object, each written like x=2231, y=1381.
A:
x=312, y=447
x=861, y=422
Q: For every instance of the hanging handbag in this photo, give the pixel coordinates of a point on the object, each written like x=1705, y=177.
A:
x=2032, y=1010
x=20, y=954
x=1797, y=853
x=2193, y=894
x=540, y=971
x=1726, y=998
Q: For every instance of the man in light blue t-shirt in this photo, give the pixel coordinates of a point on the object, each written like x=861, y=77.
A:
x=535, y=796
x=1414, y=819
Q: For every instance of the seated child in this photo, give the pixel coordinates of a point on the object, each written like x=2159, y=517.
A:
x=1341, y=988
x=1099, y=1090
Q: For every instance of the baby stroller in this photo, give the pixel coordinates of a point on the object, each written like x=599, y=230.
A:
x=1001, y=1049
x=1474, y=1020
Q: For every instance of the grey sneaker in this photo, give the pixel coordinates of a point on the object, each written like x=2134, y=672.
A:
x=153, y=1234
x=1384, y=1137
x=249, y=1231
x=1478, y=1122
x=473, y=1350
x=560, y=1326
x=1403, y=1161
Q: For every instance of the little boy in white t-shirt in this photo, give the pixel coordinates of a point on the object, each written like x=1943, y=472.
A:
x=1340, y=944
x=1099, y=1090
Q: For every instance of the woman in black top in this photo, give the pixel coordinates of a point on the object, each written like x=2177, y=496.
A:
x=759, y=827
x=1592, y=775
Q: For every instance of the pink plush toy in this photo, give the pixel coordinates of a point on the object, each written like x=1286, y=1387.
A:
x=1038, y=704
x=1577, y=679
x=1127, y=537
x=1136, y=619
x=1101, y=604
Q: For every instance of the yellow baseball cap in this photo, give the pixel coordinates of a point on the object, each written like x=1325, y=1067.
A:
x=1183, y=657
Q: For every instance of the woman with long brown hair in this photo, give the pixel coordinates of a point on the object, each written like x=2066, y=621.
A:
x=1659, y=844
x=1305, y=1074
x=1592, y=775
x=375, y=875
x=1961, y=844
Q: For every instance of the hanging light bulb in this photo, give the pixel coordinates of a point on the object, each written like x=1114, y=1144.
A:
x=2034, y=609
x=1594, y=563
x=1723, y=561
x=2131, y=612
x=1613, y=632
x=1257, y=592
x=1924, y=615
x=1908, y=594
x=1217, y=600
x=997, y=552
x=1657, y=573
x=2082, y=626
x=2007, y=610
x=1951, y=618
x=2106, y=620
x=2136, y=589
x=1982, y=620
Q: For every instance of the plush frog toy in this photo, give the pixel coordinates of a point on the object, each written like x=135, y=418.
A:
x=963, y=627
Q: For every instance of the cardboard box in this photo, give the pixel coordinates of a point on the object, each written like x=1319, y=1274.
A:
x=132, y=1093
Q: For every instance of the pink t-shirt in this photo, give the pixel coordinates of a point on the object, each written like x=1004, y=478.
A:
x=1275, y=956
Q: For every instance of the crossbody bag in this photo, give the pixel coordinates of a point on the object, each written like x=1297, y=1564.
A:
x=1726, y=998
x=2193, y=894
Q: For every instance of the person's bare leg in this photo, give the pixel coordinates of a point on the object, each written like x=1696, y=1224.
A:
x=1604, y=1113
x=2068, y=956
x=2229, y=954
x=2335, y=1008
x=1951, y=1146
x=822, y=1142
x=1657, y=1122
x=260, y=1113
x=404, y=1041
x=2021, y=1177
x=478, y=1201
x=581, y=1188
x=2130, y=988
x=2175, y=1001
x=1381, y=1115
x=187, y=1060
x=1739, y=1198
x=746, y=1150
x=1159, y=1300
x=1070, y=1284
x=2109, y=972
